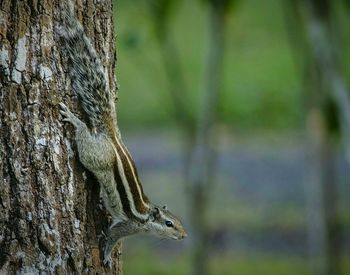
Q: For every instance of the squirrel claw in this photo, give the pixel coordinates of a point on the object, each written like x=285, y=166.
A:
x=102, y=235
x=107, y=261
x=63, y=107
x=63, y=110
x=68, y=116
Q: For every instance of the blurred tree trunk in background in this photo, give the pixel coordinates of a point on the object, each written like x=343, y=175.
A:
x=50, y=215
x=328, y=110
x=203, y=157
x=160, y=11
x=324, y=50
x=323, y=230
x=199, y=157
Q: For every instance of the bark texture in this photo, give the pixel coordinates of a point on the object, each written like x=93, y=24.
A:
x=50, y=212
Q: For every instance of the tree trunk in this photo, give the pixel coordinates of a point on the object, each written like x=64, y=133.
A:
x=203, y=156
x=199, y=154
x=50, y=213
x=324, y=50
x=327, y=100
x=323, y=229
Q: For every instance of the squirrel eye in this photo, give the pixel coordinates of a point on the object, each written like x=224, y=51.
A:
x=169, y=224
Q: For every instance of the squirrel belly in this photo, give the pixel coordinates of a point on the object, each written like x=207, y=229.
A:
x=96, y=153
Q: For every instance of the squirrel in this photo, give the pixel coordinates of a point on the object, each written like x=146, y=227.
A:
x=101, y=149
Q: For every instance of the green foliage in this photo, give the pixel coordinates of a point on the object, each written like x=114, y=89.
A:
x=161, y=11
x=146, y=262
x=259, y=264
x=225, y=4
x=260, y=86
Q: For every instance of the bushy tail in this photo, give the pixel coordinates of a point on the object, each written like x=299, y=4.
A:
x=85, y=69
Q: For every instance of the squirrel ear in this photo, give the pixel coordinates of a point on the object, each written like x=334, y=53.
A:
x=156, y=211
x=165, y=207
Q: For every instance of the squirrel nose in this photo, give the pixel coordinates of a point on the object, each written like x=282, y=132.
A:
x=184, y=235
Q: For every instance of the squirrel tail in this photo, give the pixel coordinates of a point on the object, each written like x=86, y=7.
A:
x=85, y=69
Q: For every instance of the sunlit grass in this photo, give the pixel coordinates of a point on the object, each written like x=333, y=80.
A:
x=262, y=264
x=146, y=263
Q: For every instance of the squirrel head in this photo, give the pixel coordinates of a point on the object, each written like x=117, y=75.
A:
x=163, y=223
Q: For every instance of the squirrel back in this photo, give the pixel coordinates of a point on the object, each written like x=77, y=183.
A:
x=86, y=72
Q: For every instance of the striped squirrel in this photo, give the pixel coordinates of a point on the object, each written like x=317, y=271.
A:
x=101, y=149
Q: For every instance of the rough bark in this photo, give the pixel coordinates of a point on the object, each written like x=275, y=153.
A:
x=50, y=212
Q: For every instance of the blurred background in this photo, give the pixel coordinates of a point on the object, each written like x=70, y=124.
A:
x=237, y=114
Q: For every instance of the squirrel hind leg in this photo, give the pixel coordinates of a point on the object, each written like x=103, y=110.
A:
x=106, y=250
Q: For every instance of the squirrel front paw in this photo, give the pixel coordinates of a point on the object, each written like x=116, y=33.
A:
x=68, y=116
x=105, y=250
